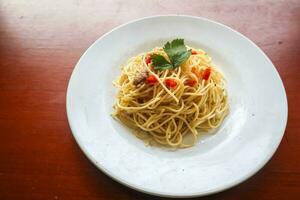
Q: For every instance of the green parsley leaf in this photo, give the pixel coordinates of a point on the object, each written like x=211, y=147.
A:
x=177, y=59
x=177, y=53
x=160, y=63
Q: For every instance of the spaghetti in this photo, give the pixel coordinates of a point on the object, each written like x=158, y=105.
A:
x=172, y=106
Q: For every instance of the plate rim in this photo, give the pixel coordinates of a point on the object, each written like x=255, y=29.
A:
x=157, y=193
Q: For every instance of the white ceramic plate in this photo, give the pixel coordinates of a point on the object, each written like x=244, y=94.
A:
x=245, y=142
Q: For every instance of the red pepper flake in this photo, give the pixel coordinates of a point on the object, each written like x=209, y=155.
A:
x=194, y=52
x=191, y=82
x=148, y=59
x=151, y=79
x=170, y=83
x=206, y=73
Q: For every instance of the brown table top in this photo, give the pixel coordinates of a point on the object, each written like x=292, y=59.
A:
x=41, y=41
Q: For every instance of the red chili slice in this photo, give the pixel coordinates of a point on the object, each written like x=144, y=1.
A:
x=148, y=59
x=206, y=73
x=170, y=83
x=191, y=82
x=194, y=52
x=151, y=79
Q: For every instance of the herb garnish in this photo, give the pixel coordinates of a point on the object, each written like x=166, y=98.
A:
x=177, y=53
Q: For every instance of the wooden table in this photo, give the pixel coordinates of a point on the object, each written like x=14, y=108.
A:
x=41, y=41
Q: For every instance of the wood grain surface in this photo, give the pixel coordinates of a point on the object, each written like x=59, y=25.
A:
x=41, y=41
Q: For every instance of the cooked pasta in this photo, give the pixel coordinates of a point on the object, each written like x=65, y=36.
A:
x=167, y=106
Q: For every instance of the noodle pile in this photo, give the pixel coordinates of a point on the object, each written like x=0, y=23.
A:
x=173, y=117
